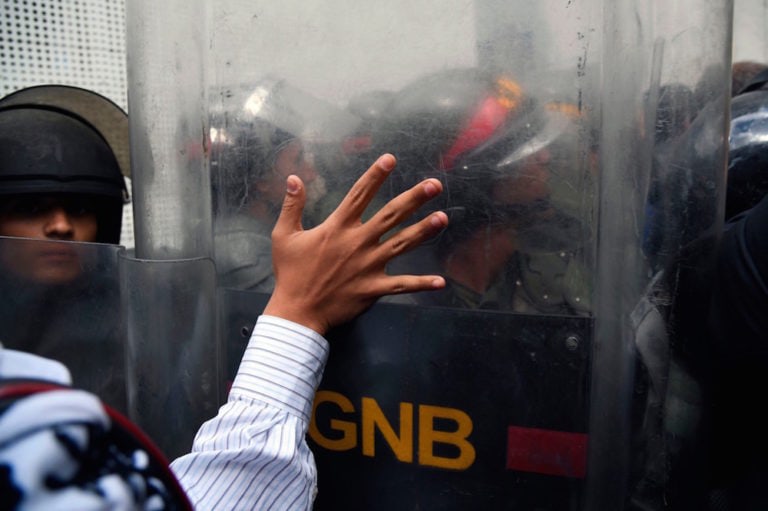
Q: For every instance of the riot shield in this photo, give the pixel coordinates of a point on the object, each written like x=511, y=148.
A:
x=172, y=349
x=445, y=409
x=61, y=300
x=140, y=335
x=559, y=368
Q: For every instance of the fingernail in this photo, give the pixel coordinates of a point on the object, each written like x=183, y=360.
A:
x=386, y=162
x=293, y=185
x=431, y=190
x=438, y=283
x=436, y=221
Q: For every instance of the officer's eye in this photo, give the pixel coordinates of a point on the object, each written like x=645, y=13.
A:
x=24, y=207
x=79, y=210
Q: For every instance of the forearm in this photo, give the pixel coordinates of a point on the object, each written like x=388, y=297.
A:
x=253, y=454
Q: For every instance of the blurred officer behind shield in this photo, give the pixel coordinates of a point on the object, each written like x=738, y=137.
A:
x=263, y=132
x=505, y=162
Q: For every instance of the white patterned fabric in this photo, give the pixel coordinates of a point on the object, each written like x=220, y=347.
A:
x=61, y=449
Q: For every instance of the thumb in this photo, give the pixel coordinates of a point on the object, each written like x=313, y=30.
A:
x=289, y=220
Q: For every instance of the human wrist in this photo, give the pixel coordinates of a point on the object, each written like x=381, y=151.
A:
x=296, y=312
x=283, y=365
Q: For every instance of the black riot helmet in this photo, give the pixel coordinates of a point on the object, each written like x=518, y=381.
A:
x=65, y=140
x=473, y=130
x=251, y=123
x=748, y=147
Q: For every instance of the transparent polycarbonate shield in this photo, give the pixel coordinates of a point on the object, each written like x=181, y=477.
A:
x=262, y=131
x=167, y=53
x=173, y=355
x=61, y=300
x=453, y=395
x=326, y=108
x=580, y=146
x=662, y=166
x=170, y=284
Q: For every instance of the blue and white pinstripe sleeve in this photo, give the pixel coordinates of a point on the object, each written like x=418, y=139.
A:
x=253, y=454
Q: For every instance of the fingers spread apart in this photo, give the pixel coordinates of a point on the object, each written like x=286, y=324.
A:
x=412, y=236
x=403, y=206
x=363, y=191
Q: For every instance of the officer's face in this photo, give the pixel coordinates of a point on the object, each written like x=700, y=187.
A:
x=529, y=185
x=52, y=218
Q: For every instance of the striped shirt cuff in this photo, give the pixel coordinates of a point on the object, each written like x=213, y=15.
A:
x=282, y=366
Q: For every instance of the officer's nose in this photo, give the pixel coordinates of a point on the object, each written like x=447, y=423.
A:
x=58, y=224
